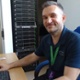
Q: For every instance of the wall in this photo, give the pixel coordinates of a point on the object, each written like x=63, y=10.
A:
x=7, y=42
x=0, y=31
x=72, y=10
x=0, y=39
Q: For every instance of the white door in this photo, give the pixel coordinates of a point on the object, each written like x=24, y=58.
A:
x=6, y=26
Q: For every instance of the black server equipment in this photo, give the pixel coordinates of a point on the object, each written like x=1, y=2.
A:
x=24, y=28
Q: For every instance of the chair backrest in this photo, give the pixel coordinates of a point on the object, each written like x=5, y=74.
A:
x=39, y=67
x=77, y=29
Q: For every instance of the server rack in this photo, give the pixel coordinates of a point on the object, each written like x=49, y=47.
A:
x=24, y=28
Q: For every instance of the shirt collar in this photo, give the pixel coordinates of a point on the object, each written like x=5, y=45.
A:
x=62, y=37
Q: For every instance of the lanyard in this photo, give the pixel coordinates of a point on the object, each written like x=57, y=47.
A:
x=53, y=55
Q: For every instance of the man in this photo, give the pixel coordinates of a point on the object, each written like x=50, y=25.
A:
x=61, y=47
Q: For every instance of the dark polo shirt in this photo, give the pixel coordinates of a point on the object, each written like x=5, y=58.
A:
x=68, y=54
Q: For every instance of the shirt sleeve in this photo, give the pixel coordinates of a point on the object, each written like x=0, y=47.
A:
x=39, y=50
x=73, y=53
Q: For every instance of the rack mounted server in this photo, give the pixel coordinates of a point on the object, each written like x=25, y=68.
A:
x=24, y=28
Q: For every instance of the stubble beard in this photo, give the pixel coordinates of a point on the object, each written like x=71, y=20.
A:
x=53, y=32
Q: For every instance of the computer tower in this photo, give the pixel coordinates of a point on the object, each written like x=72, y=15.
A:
x=24, y=29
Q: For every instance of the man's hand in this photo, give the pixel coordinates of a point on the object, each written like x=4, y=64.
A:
x=4, y=66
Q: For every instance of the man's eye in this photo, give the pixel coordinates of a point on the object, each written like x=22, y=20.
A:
x=53, y=16
x=44, y=17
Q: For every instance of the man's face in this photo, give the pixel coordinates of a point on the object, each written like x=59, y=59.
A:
x=53, y=19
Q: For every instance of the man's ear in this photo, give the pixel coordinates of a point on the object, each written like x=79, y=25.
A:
x=64, y=17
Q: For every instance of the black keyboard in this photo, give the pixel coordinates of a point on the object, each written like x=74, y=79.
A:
x=4, y=75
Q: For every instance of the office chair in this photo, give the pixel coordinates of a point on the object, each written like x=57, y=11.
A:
x=46, y=62
x=39, y=67
x=77, y=29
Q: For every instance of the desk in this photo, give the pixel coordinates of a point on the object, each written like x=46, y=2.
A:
x=15, y=73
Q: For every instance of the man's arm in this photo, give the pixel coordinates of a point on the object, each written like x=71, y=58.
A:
x=22, y=62
x=69, y=74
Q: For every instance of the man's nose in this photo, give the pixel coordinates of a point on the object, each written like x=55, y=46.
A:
x=49, y=20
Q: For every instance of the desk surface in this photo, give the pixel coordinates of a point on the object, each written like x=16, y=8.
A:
x=15, y=73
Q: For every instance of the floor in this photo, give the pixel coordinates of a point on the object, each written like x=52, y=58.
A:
x=30, y=74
